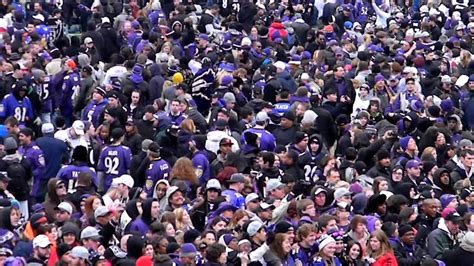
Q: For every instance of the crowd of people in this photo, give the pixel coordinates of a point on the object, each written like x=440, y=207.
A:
x=237, y=132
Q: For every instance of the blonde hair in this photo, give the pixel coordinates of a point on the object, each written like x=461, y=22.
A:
x=180, y=223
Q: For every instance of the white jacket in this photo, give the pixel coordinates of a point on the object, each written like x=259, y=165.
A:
x=214, y=137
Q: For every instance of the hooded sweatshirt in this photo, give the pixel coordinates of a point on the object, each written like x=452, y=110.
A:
x=52, y=201
x=136, y=224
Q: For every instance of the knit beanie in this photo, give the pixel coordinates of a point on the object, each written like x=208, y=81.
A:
x=324, y=241
x=37, y=73
x=84, y=60
x=447, y=105
x=446, y=199
x=468, y=242
x=229, y=97
x=250, y=138
x=309, y=117
x=428, y=166
x=299, y=136
x=382, y=154
x=404, y=142
x=37, y=219
x=371, y=220
x=190, y=236
x=403, y=229
x=379, y=77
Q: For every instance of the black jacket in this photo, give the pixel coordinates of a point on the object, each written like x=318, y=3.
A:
x=19, y=170
x=285, y=136
x=110, y=38
x=379, y=170
x=439, y=243
x=134, y=142
x=408, y=256
x=200, y=213
x=459, y=256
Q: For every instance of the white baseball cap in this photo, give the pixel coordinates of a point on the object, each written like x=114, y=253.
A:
x=105, y=20
x=262, y=117
x=47, y=128
x=123, y=179
x=214, y=184
x=78, y=127
x=41, y=241
x=64, y=206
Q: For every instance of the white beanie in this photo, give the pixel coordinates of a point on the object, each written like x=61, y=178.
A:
x=326, y=240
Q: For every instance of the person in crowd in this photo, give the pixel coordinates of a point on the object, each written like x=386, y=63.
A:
x=236, y=132
x=379, y=250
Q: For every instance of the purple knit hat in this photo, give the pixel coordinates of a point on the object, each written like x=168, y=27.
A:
x=447, y=105
x=379, y=77
x=446, y=199
x=371, y=220
x=404, y=142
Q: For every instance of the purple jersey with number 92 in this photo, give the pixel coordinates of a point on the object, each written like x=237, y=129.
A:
x=114, y=161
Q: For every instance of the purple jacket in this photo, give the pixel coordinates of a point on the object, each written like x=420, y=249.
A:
x=34, y=154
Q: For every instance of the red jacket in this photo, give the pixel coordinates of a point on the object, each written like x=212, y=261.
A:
x=277, y=26
x=388, y=259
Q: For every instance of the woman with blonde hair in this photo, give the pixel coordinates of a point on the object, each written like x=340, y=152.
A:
x=165, y=56
x=429, y=154
x=183, y=221
x=379, y=251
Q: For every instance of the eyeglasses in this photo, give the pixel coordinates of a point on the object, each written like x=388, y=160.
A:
x=410, y=83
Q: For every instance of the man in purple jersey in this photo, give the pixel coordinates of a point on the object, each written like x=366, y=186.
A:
x=267, y=140
x=158, y=169
x=30, y=151
x=114, y=160
x=70, y=173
